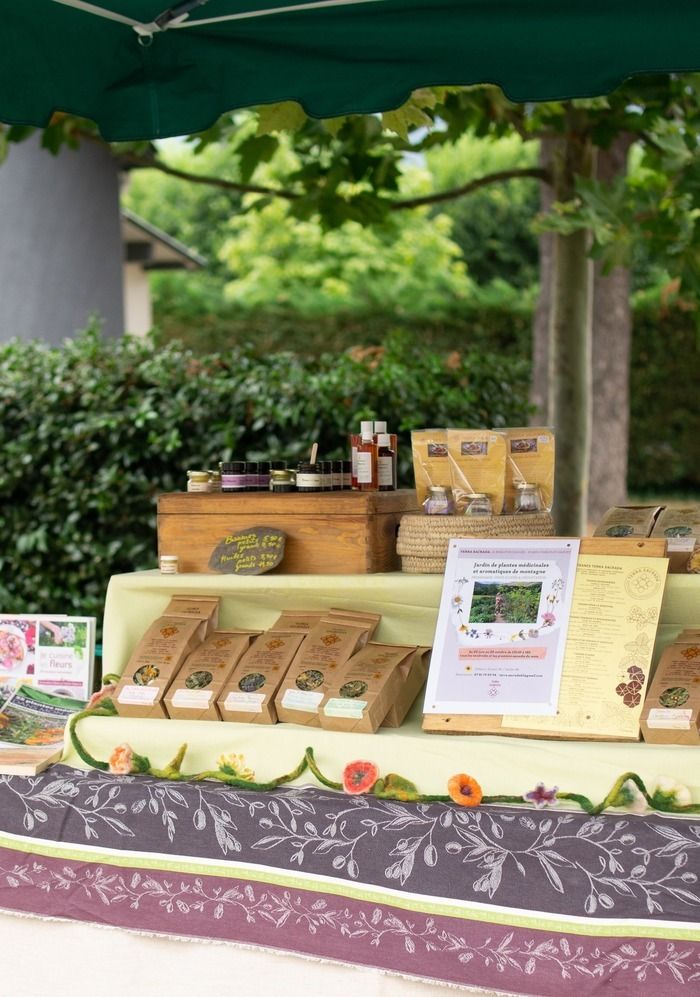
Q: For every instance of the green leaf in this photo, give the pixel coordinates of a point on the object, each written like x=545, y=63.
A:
x=404, y=118
x=285, y=117
x=255, y=150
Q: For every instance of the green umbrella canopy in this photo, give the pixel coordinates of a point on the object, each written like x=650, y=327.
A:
x=142, y=75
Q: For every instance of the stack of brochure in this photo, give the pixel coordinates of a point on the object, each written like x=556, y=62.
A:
x=32, y=726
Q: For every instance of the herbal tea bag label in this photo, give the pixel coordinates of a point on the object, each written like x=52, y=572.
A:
x=295, y=699
x=351, y=709
x=244, y=702
x=192, y=698
x=138, y=695
x=663, y=719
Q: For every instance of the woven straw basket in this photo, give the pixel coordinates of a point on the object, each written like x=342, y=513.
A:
x=423, y=540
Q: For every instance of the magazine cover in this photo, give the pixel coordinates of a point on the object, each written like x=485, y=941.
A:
x=32, y=725
x=54, y=653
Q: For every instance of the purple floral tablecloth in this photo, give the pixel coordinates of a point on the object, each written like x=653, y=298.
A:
x=520, y=900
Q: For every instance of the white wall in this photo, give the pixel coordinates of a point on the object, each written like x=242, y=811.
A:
x=60, y=242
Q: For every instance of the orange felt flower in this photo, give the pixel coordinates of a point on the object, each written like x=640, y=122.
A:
x=121, y=761
x=464, y=790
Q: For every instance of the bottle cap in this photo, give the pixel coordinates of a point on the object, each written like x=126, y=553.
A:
x=366, y=427
x=383, y=439
x=380, y=427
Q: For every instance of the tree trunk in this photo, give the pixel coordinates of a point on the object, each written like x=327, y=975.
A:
x=539, y=384
x=570, y=340
x=612, y=333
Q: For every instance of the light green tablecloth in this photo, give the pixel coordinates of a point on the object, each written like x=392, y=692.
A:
x=408, y=604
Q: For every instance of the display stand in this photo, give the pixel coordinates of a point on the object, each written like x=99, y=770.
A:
x=454, y=723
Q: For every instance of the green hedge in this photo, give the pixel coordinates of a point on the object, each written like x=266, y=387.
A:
x=91, y=432
x=665, y=415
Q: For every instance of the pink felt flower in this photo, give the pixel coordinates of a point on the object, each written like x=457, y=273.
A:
x=101, y=694
x=548, y=619
x=541, y=796
x=121, y=761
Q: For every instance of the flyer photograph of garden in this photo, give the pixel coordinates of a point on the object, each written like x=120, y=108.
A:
x=503, y=602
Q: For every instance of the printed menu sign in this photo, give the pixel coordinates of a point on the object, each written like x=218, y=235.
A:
x=502, y=626
x=615, y=611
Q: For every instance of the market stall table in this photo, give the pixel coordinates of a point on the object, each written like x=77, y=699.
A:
x=501, y=898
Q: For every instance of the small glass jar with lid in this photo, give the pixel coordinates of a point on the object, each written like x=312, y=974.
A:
x=282, y=480
x=251, y=475
x=527, y=497
x=309, y=477
x=439, y=501
x=233, y=476
x=214, y=481
x=478, y=504
x=198, y=481
x=264, y=470
x=169, y=564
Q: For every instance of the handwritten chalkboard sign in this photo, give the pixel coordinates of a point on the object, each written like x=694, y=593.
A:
x=248, y=552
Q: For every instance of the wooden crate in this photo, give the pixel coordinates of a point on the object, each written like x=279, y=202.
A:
x=327, y=532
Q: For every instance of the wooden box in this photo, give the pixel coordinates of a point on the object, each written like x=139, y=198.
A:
x=327, y=532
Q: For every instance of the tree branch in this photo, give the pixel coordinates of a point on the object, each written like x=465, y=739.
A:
x=132, y=159
x=535, y=172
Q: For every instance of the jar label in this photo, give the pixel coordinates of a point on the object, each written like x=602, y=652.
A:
x=305, y=480
x=233, y=480
x=197, y=486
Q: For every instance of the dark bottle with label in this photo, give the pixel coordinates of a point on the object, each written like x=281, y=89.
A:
x=385, y=463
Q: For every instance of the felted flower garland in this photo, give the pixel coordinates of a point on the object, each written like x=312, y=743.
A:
x=629, y=791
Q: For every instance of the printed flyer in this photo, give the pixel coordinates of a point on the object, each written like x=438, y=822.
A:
x=502, y=627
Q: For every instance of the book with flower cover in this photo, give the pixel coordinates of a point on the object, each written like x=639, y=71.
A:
x=32, y=726
x=53, y=653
